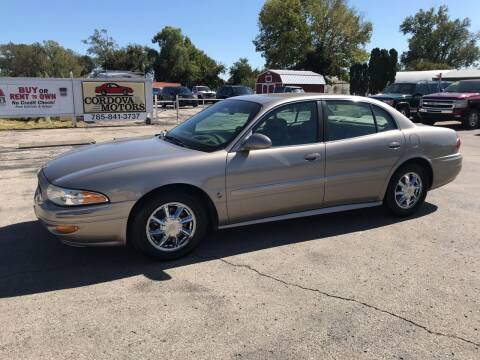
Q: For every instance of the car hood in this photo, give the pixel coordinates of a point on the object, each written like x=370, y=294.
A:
x=452, y=95
x=109, y=155
x=390, y=96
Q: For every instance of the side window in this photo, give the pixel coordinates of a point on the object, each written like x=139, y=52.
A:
x=421, y=89
x=348, y=119
x=292, y=124
x=433, y=88
x=384, y=119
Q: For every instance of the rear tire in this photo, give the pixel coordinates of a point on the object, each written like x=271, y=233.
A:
x=472, y=120
x=164, y=237
x=407, y=190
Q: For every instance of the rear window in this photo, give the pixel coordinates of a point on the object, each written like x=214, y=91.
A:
x=242, y=90
x=184, y=91
x=400, y=88
x=464, y=87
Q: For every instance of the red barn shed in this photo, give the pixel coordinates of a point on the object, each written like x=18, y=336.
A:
x=308, y=80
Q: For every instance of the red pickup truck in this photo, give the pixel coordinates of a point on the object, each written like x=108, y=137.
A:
x=459, y=101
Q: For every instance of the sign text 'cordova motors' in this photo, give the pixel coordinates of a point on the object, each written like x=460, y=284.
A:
x=113, y=97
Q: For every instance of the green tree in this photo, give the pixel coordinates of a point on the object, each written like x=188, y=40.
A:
x=392, y=65
x=382, y=69
x=326, y=36
x=242, y=73
x=47, y=59
x=102, y=47
x=437, y=41
x=359, y=77
x=22, y=60
x=178, y=60
x=87, y=63
x=284, y=33
x=61, y=62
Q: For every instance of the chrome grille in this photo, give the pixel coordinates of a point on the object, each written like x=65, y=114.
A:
x=438, y=104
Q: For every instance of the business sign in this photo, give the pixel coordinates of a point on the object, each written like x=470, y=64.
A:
x=94, y=99
x=114, y=100
x=36, y=97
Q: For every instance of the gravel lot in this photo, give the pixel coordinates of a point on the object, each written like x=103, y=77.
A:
x=352, y=285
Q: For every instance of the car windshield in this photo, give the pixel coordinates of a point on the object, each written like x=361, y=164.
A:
x=241, y=90
x=279, y=89
x=203, y=88
x=184, y=91
x=214, y=128
x=464, y=87
x=400, y=88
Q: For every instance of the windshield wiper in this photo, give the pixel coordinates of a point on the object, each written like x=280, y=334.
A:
x=174, y=140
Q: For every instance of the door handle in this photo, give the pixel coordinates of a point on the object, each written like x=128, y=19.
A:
x=394, y=145
x=312, y=156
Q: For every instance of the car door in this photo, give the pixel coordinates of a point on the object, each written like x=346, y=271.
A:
x=114, y=88
x=287, y=177
x=420, y=90
x=363, y=145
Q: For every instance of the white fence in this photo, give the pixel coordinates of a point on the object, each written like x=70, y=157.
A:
x=160, y=106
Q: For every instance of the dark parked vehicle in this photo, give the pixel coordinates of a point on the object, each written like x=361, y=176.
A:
x=185, y=96
x=156, y=92
x=227, y=91
x=459, y=101
x=405, y=96
x=288, y=89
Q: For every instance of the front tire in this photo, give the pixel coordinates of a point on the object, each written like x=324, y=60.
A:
x=407, y=190
x=404, y=110
x=168, y=225
x=472, y=120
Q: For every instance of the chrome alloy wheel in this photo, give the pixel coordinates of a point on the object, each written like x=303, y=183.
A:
x=171, y=226
x=408, y=190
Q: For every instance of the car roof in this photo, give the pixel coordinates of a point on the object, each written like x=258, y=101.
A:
x=268, y=101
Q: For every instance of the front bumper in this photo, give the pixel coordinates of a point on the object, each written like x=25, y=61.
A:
x=442, y=115
x=98, y=225
x=445, y=169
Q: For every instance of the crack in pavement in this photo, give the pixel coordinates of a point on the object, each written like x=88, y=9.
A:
x=338, y=297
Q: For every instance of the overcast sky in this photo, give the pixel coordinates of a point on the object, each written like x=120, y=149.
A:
x=224, y=29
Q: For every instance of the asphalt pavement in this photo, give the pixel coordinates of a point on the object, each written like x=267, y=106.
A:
x=351, y=285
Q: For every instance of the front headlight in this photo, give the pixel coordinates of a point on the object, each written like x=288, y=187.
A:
x=388, y=101
x=460, y=103
x=421, y=102
x=72, y=197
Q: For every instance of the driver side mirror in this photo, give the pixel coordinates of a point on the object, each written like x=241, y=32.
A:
x=256, y=141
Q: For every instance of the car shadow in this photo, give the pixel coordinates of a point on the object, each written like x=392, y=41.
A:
x=454, y=126
x=32, y=261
